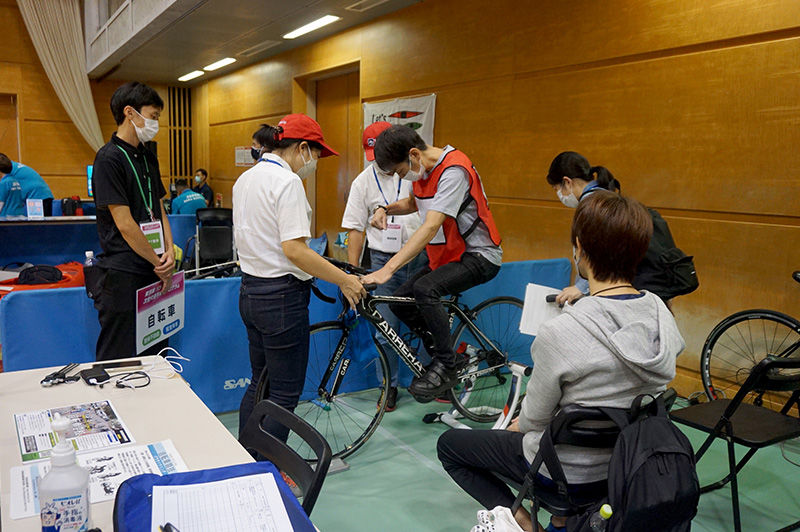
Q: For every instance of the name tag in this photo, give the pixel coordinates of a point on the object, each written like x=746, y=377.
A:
x=392, y=238
x=154, y=234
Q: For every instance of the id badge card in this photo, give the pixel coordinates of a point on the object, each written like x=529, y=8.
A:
x=392, y=238
x=154, y=234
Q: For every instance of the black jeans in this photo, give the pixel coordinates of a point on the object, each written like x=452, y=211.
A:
x=116, y=310
x=470, y=457
x=428, y=287
x=275, y=313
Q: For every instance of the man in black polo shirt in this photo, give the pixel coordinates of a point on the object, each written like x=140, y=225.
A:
x=134, y=232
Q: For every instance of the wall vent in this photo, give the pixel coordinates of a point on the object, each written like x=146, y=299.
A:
x=180, y=132
x=365, y=5
x=257, y=49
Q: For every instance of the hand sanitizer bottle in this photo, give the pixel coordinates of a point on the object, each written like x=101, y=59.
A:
x=64, y=490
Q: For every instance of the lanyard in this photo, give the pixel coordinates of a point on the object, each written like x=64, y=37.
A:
x=377, y=182
x=273, y=162
x=148, y=201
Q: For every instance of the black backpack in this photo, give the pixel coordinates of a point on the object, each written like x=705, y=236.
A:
x=665, y=270
x=652, y=482
x=69, y=206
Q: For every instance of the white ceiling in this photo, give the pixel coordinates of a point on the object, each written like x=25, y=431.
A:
x=215, y=29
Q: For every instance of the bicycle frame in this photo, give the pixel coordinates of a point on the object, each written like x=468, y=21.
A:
x=367, y=308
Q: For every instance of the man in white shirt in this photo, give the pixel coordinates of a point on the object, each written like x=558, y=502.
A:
x=371, y=189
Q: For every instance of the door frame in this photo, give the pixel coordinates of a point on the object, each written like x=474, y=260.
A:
x=304, y=100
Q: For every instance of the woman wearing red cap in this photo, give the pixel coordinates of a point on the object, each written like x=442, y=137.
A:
x=272, y=222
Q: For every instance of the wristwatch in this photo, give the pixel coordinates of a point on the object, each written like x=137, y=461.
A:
x=380, y=207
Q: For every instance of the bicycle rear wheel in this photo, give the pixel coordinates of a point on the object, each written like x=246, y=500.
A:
x=482, y=396
x=347, y=415
x=741, y=341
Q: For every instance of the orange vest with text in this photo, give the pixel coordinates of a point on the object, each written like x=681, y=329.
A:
x=450, y=241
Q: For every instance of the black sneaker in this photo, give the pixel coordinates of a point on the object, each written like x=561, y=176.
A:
x=436, y=380
x=391, y=399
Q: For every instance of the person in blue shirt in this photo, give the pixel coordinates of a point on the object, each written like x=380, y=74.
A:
x=187, y=201
x=17, y=184
x=201, y=176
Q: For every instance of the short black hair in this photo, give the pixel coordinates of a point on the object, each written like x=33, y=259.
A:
x=182, y=183
x=5, y=164
x=393, y=144
x=203, y=171
x=135, y=94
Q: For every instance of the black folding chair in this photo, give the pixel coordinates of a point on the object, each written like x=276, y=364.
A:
x=745, y=424
x=574, y=425
x=213, y=237
x=308, y=479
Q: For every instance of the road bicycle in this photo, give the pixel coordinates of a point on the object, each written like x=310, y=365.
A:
x=345, y=391
x=742, y=340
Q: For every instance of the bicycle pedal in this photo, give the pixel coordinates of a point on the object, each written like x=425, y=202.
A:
x=422, y=398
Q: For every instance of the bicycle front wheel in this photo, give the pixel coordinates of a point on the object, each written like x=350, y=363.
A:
x=344, y=395
x=483, y=395
x=741, y=341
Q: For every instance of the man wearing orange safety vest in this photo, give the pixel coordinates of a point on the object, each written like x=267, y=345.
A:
x=458, y=233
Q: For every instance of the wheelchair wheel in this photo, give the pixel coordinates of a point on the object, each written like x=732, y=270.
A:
x=347, y=415
x=741, y=341
x=483, y=394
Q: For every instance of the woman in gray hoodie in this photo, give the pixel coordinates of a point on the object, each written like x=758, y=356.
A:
x=604, y=350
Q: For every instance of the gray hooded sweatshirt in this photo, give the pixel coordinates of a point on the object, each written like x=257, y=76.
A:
x=599, y=352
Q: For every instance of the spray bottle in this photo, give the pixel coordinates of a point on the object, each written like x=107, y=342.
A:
x=64, y=490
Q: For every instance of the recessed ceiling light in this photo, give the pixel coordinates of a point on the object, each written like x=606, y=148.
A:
x=219, y=64
x=191, y=75
x=324, y=21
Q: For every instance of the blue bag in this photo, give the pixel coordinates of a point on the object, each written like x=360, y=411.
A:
x=133, y=506
x=360, y=346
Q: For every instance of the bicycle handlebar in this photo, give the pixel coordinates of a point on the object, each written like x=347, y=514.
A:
x=347, y=267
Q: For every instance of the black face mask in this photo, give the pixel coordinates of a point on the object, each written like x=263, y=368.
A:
x=255, y=153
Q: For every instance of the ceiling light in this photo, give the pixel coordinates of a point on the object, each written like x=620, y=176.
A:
x=324, y=21
x=191, y=75
x=219, y=64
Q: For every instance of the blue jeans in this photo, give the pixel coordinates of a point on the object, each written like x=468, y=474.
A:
x=379, y=259
x=275, y=313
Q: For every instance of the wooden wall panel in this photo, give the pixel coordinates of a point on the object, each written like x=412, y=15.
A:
x=564, y=34
x=699, y=123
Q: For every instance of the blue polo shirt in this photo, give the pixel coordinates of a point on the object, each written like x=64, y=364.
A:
x=21, y=184
x=188, y=202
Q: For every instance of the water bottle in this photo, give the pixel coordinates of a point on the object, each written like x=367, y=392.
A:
x=599, y=520
x=90, y=260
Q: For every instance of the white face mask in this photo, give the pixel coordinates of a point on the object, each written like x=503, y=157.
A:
x=570, y=201
x=198, y=179
x=412, y=175
x=309, y=166
x=149, y=130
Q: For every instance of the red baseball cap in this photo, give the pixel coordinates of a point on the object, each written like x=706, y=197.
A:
x=371, y=135
x=300, y=126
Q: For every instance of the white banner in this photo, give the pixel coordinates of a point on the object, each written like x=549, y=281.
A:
x=417, y=113
x=159, y=316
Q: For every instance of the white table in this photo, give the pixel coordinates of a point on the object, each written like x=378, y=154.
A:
x=166, y=409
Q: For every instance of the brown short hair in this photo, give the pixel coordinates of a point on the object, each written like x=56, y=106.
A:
x=614, y=232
